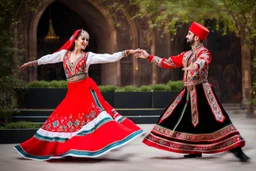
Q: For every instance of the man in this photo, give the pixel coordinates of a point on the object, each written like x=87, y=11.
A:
x=194, y=122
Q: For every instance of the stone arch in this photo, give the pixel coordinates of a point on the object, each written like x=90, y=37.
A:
x=107, y=34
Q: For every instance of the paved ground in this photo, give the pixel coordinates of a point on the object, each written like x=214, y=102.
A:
x=136, y=156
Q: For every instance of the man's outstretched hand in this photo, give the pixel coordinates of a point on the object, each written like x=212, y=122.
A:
x=191, y=67
x=141, y=54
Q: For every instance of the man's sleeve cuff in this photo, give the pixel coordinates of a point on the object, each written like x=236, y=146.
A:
x=150, y=58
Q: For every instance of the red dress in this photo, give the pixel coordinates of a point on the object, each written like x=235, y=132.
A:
x=83, y=124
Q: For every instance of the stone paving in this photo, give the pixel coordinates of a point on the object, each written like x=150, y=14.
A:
x=136, y=157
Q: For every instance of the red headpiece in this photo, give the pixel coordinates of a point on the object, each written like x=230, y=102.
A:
x=69, y=43
x=199, y=30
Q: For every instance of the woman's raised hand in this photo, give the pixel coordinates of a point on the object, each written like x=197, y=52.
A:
x=28, y=64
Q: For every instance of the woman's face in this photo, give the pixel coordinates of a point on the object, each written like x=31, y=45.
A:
x=82, y=41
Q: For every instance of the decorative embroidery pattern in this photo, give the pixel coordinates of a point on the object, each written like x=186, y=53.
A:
x=73, y=65
x=195, y=82
x=75, y=71
x=170, y=109
x=194, y=108
x=186, y=57
x=203, y=148
x=158, y=61
x=169, y=62
x=213, y=103
x=71, y=122
x=198, y=76
x=64, y=123
x=195, y=137
x=77, y=77
x=202, y=60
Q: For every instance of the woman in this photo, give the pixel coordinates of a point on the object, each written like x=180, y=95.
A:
x=83, y=124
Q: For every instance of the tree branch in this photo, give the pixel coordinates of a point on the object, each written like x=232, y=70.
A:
x=233, y=17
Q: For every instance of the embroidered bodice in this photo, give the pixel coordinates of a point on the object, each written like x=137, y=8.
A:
x=200, y=55
x=79, y=69
x=76, y=70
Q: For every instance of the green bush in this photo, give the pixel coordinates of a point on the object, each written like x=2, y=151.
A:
x=145, y=88
x=8, y=97
x=5, y=115
x=107, y=88
x=175, y=85
x=120, y=90
x=46, y=84
x=21, y=125
x=160, y=87
x=58, y=84
x=38, y=84
x=128, y=88
x=170, y=86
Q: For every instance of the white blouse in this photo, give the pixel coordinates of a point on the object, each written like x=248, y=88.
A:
x=92, y=58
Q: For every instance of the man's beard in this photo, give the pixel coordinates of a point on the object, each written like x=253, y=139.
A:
x=191, y=42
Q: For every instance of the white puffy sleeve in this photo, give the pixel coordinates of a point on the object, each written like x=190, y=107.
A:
x=52, y=58
x=94, y=58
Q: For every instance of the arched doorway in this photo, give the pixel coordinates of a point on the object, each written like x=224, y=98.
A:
x=66, y=17
x=107, y=35
x=65, y=22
